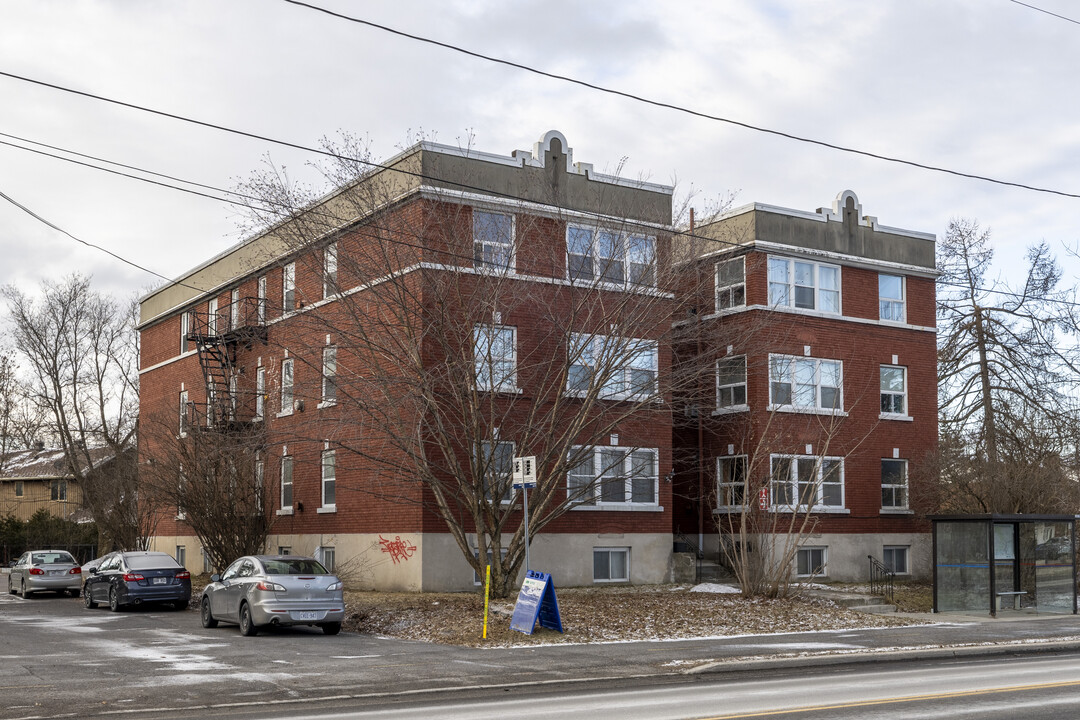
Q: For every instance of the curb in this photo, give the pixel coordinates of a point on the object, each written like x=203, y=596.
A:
x=884, y=655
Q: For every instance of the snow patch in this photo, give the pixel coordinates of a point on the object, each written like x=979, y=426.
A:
x=719, y=588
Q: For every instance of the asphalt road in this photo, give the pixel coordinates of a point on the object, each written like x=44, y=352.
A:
x=58, y=659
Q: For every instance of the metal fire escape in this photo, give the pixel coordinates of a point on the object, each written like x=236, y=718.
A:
x=217, y=336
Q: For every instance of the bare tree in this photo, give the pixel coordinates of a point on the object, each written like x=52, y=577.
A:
x=1007, y=376
x=81, y=354
x=448, y=364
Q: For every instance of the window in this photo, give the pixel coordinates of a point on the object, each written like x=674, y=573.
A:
x=611, y=564
x=895, y=558
x=284, y=550
x=613, y=476
x=594, y=254
x=805, y=383
x=495, y=357
x=58, y=490
x=810, y=562
x=894, y=485
x=287, y=387
x=493, y=240
x=327, y=556
x=234, y=309
x=212, y=317
x=232, y=396
x=891, y=297
x=806, y=285
x=731, y=382
x=893, y=390
x=261, y=300
x=207, y=565
x=805, y=482
x=731, y=481
x=625, y=367
x=496, y=465
x=19, y=489
x=260, y=392
x=477, y=580
x=330, y=263
x=329, y=479
x=181, y=555
x=286, y=484
x=288, y=287
x=185, y=330
x=329, y=375
x=260, y=469
x=731, y=284
x=184, y=410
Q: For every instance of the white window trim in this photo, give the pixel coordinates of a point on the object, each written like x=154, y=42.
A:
x=718, y=288
x=184, y=418
x=824, y=561
x=287, y=509
x=185, y=330
x=720, y=485
x=624, y=550
x=509, y=384
x=817, y=285
x=906, y=507
x=840, y=509
x=288, y=282
x=324, y=401
x=285, y=411
x=324, y=506
x=479, y=265
x=234, y=309
x=260, y=394
x=906, y=415
x=624, y=247
x=260, y=308
x=597, y=503
x=588, y=353
x=330, y=260
x=902, y=301
x=212, y=318
x=816, y=409
x=741, y=407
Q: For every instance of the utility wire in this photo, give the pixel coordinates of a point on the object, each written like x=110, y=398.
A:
x=680, y=108
x=264, y=205
x=1039, y=9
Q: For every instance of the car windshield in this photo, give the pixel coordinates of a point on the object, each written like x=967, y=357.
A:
x=50, y=558
x=297, y=566
x=151, y=562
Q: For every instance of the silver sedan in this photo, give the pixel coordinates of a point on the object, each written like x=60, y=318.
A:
x=274, y=590
x=52, y=570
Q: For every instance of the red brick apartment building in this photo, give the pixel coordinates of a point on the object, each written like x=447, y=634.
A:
x=818, y=400
x=398, y=341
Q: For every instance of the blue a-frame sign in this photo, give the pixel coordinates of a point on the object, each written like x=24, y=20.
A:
x=536, y=601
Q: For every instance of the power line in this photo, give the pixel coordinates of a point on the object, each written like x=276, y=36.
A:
x=1039, y=9
x=680, y=108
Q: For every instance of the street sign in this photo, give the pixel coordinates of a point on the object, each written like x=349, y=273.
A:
x=525, y=472
x=536, y=601
x=763, y=498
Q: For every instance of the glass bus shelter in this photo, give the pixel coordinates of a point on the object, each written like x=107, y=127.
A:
x=1024, y=563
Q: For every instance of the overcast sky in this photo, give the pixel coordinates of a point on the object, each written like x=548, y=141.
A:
x=986, y=87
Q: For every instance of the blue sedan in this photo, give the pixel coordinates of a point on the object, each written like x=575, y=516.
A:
x=134, y=578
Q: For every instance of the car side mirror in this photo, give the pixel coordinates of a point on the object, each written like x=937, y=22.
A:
x=215, y=578
x=93, y=571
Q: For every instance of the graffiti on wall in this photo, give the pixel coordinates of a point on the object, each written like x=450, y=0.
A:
x=398, y=549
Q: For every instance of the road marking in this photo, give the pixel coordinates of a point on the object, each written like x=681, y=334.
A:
x=896, y=700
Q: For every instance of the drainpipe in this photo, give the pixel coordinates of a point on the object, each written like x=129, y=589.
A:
x=700, y=425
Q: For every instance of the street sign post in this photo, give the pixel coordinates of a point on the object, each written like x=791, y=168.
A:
x=525, y=477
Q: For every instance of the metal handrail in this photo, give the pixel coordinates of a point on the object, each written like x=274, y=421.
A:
x=882, y=579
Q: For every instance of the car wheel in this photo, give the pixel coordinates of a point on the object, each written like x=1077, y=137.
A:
x=331, y=628
x=23, y=591
x=114, y=601
x=208, y=620
x=10, y=587
x=247, y=625
x=88, y=601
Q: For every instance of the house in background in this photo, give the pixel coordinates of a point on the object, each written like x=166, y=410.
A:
x=818, y=334
x=31, y=480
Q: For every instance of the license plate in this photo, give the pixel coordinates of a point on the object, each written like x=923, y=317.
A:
x=305, y=616
x=160, y=580
x=56, y=572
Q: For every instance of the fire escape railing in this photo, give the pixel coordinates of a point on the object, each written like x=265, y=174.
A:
x=217, y=336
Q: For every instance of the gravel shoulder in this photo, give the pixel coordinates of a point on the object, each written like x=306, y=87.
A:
x=592, y=615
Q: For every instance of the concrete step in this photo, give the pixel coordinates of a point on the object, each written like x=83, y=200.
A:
x=877, y=609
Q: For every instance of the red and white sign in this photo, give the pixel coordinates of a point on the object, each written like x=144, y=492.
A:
x=763, y=498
